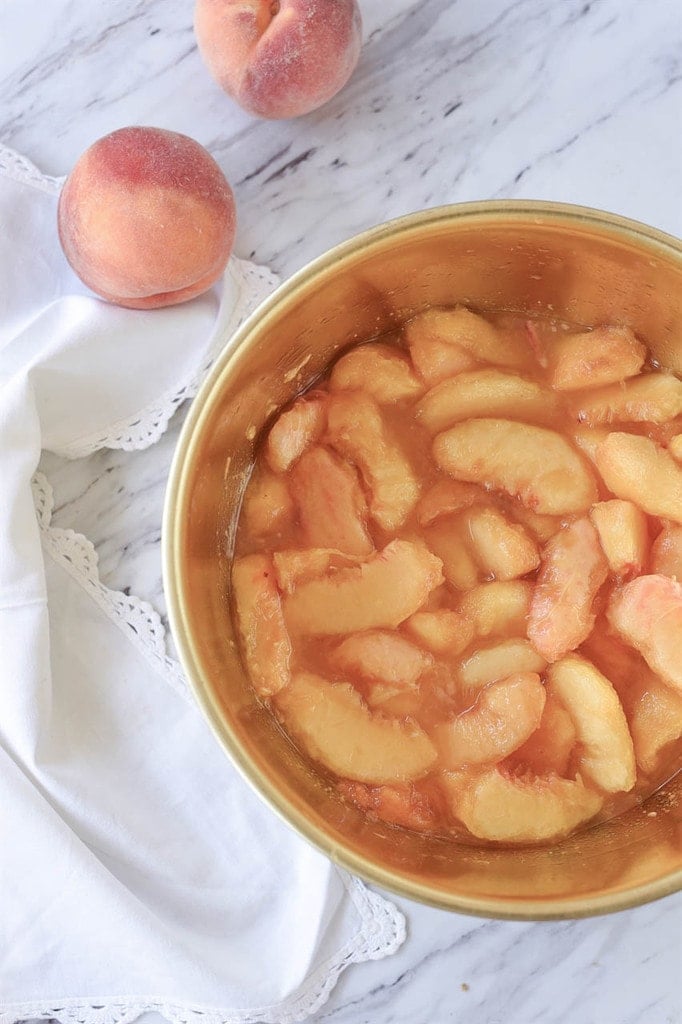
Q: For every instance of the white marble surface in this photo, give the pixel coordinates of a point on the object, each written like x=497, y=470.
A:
x=561, y=99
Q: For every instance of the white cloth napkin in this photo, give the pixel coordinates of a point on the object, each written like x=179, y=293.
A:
x=137, y=870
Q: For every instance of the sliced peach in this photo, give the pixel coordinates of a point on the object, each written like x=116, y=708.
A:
x=268, y=504
x=335, y=726
x=403, y=805
x=637, y=469
x=381, y=592
x=588, y=440
x=538, y=526
x=647, y=613
x=448, y=540
x=468, y=332
x=441, y=631
x=502, y=549
x=265, y=640
x=497, y=608
x=509, y=808
x=484, y=393
x=503, y=717
x=295, y=430
x=445, y=498
x=587, y=359
x=666, y=552
x=392, y=699
x=488, y=664
x=294, y=566
x=607, y=757
x=381, y=654
x=549, y=748
x=331, y=506
x=534, y=464
x=652, y=398
x=357, y=430
x=623, y=535
x=655, y=720
x=562, y=607
x=433, y=359
x=380, y=370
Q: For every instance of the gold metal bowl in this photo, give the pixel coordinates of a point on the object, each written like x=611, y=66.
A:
x=582, y=265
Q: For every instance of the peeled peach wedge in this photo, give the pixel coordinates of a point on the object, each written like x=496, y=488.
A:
x=647, y=613
x=265, y=640
x=441, y=631
x=488, y=664
x=504, y=807
x=294, y=566
x=331, y=507
x=379, y=593
x=381, y=654
x=146, y=218
x=536, y=465
x=637, y=469
x=498, y=607
x=650, y=398
x=485, y=392
x=268, y=504
x=623, y=535
x=448, y=539
x=356, y=430
x=502, y=548
x=279, y=58
x=588, y=359
x=295, y=430
x=380, y=370
x=404, y=805
x=655, y=719
x=503, y=717
x=607, y=757
x=469, y=333
x=574, y=568
x=446, y=497
x=547, y=750
x=434, y=357
x=666, y=552
x=336, y=727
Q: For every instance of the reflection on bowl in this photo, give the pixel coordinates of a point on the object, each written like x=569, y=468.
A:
x=534, y=258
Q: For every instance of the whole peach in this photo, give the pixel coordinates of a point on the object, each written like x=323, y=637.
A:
x=146, y=218
x=279, y=58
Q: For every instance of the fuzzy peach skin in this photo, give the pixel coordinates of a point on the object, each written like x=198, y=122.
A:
x=146, y=218
x=279, y=58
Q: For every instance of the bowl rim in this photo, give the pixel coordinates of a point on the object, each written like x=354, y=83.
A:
x=540, y=212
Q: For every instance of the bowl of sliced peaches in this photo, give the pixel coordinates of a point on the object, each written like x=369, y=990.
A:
x=423, y=557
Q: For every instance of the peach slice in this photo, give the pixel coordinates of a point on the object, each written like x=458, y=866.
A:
x=381, y=654
x=623, y=535
x=442, y=631
x=484, y=393
x=447, y=539
x=295, y=430
x=637, y=469
x=357, y=430
x=655, y=720
x=652, y=398
x=550, y=747
x=488, y=664
x=588, y=440
x=445, y=498
x=647, y=613
x=268, y=505
x=504, y=716
x=380, y=370
x=331, y=506
x=666, y=552
x=525, y=809
x=675, y=447
x=538, y=526
x=502, y=549
x=265, y=640
x=587, y=359
x=497, y=608
x=403, y=805
x=335, y=726
x=381, y=592
x=534, y=464
x=434, y=359
x=607, y=756
x=468, y=332
x=293, y=566
x=574, y=569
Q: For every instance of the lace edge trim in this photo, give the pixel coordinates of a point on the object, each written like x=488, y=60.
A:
x=18, y=167
x=381, y=934
x=382, y=927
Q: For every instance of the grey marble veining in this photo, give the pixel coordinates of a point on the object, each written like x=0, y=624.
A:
x=452, y=101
